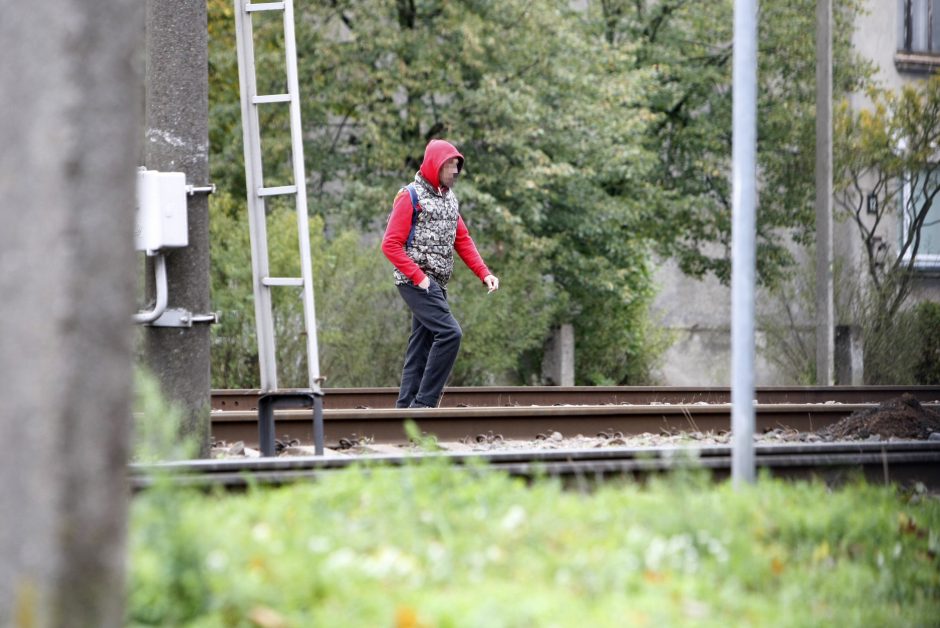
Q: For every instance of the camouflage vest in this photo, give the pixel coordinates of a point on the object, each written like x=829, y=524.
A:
x=435, y=231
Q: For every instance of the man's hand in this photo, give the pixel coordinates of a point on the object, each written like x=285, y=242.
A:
x=492, y=283
x=425, y=283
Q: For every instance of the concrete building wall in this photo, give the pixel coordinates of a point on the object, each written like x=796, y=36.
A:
x=877, y=37
x=697, y=314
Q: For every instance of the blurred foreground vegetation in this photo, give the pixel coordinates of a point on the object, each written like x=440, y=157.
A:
x=433, y=545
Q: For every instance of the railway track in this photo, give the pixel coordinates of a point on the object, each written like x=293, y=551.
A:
x=904, y=463
x=509, y=396
x=525, y=413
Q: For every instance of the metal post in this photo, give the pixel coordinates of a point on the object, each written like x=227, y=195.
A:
x=318, y=423
x=70, y=119
x=744, y=186
x=254, y=180
x=266, y=433
x=288, y=400
x=825, y=334
x=263, y=283
x=177, y=127
x=257, y=191
x=159, y=269
x=300, y=180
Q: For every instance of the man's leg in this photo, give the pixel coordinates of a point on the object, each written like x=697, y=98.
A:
x=432, y=312
x=416, y=356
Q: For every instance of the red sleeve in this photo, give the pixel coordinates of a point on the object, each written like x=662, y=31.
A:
x=396, y=233
x=467, y=251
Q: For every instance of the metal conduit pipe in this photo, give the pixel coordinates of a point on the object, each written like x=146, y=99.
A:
x=159, y=269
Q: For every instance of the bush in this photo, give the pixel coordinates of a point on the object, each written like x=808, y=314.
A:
x=361, y=328
x=927, y=366
x=157, y=435
x=501, y=327
x=906, y=349
x=431, y=545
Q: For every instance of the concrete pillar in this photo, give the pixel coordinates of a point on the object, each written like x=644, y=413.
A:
x=69, y=130
x=177, y=139
x=824, y=300
x=849, y=356
x=558, y=361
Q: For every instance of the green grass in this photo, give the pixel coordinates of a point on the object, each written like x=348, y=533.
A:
x=431, y=545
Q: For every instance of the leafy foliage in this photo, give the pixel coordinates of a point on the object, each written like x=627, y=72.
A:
x=927, y=366
x=356, y=344
x=506, y=328
x=907, y=348
x=881, y=151
x=157, y=424
x=688, y=47
x=428, y=544
x=593, y=137
x=551, y=122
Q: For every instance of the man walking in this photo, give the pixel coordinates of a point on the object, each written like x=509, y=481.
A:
x=423, y=232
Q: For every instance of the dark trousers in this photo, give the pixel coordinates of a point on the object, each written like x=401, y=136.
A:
x=432, y=347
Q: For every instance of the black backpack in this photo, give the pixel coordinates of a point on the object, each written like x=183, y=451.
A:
x=415, y=208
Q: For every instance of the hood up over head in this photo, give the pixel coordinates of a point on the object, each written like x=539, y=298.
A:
x=436, y=153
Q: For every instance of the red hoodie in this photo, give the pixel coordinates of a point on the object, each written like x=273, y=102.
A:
x=399, y=224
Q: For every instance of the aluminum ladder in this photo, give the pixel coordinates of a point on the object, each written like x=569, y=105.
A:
x=263, y=282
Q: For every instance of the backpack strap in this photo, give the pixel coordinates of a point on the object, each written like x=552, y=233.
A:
x=415, y=208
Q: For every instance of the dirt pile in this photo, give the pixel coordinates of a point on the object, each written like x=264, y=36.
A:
x=903, y=417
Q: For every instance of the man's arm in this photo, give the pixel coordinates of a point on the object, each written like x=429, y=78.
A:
x=396, y=233
x=468, y=252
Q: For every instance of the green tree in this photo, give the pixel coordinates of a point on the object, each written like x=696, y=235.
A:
x=551, y=120
x=927, y=364
x=687, y=45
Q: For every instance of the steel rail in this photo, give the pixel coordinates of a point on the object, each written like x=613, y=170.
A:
x=525, y=422
x=903, y=462
x=504, y=396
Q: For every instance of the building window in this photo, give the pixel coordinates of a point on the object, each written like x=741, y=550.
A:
x=928, y=253
x=919, y=26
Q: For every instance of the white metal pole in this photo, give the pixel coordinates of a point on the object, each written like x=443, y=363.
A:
x=297, y=156
x=744, y=204
x=254, y=180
